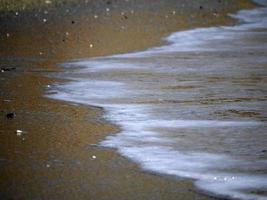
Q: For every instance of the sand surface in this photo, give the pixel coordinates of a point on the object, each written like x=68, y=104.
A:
x=55, y=157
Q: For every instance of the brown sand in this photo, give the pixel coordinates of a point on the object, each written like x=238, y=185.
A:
x=53, y=158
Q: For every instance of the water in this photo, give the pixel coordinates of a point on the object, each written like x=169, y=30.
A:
x=194, y=108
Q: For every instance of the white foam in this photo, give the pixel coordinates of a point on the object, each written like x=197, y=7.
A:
x=196, y=39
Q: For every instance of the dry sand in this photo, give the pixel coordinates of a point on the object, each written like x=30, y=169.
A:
x=55, y=157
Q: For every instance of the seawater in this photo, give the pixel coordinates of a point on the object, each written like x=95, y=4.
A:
x=194, y=108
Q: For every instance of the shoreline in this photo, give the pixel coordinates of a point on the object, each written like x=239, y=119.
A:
x=59, y=130
x=90, y=31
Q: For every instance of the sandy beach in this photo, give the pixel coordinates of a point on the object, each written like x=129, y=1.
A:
x=56, y=155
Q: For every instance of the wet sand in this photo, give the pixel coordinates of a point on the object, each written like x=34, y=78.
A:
x=56, y=156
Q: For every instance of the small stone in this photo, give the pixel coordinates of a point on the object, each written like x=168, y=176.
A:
x=93, y=157
x=91, y=45
x=48, y=2
x=19, y=132
x=10, y=115
x=47, y=165
x=44, y=20
x=107, y=9
x=3, y=69
x=95, y=16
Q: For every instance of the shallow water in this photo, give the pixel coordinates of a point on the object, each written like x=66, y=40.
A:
x=194, y=108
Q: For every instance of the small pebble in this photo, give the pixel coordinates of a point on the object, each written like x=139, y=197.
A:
x=19, y=132
x=10, y=115
x=48, y=2
x=8, y=69
x=93, y=157
x=47, y=165
x=91, y=45
x=95, y=16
